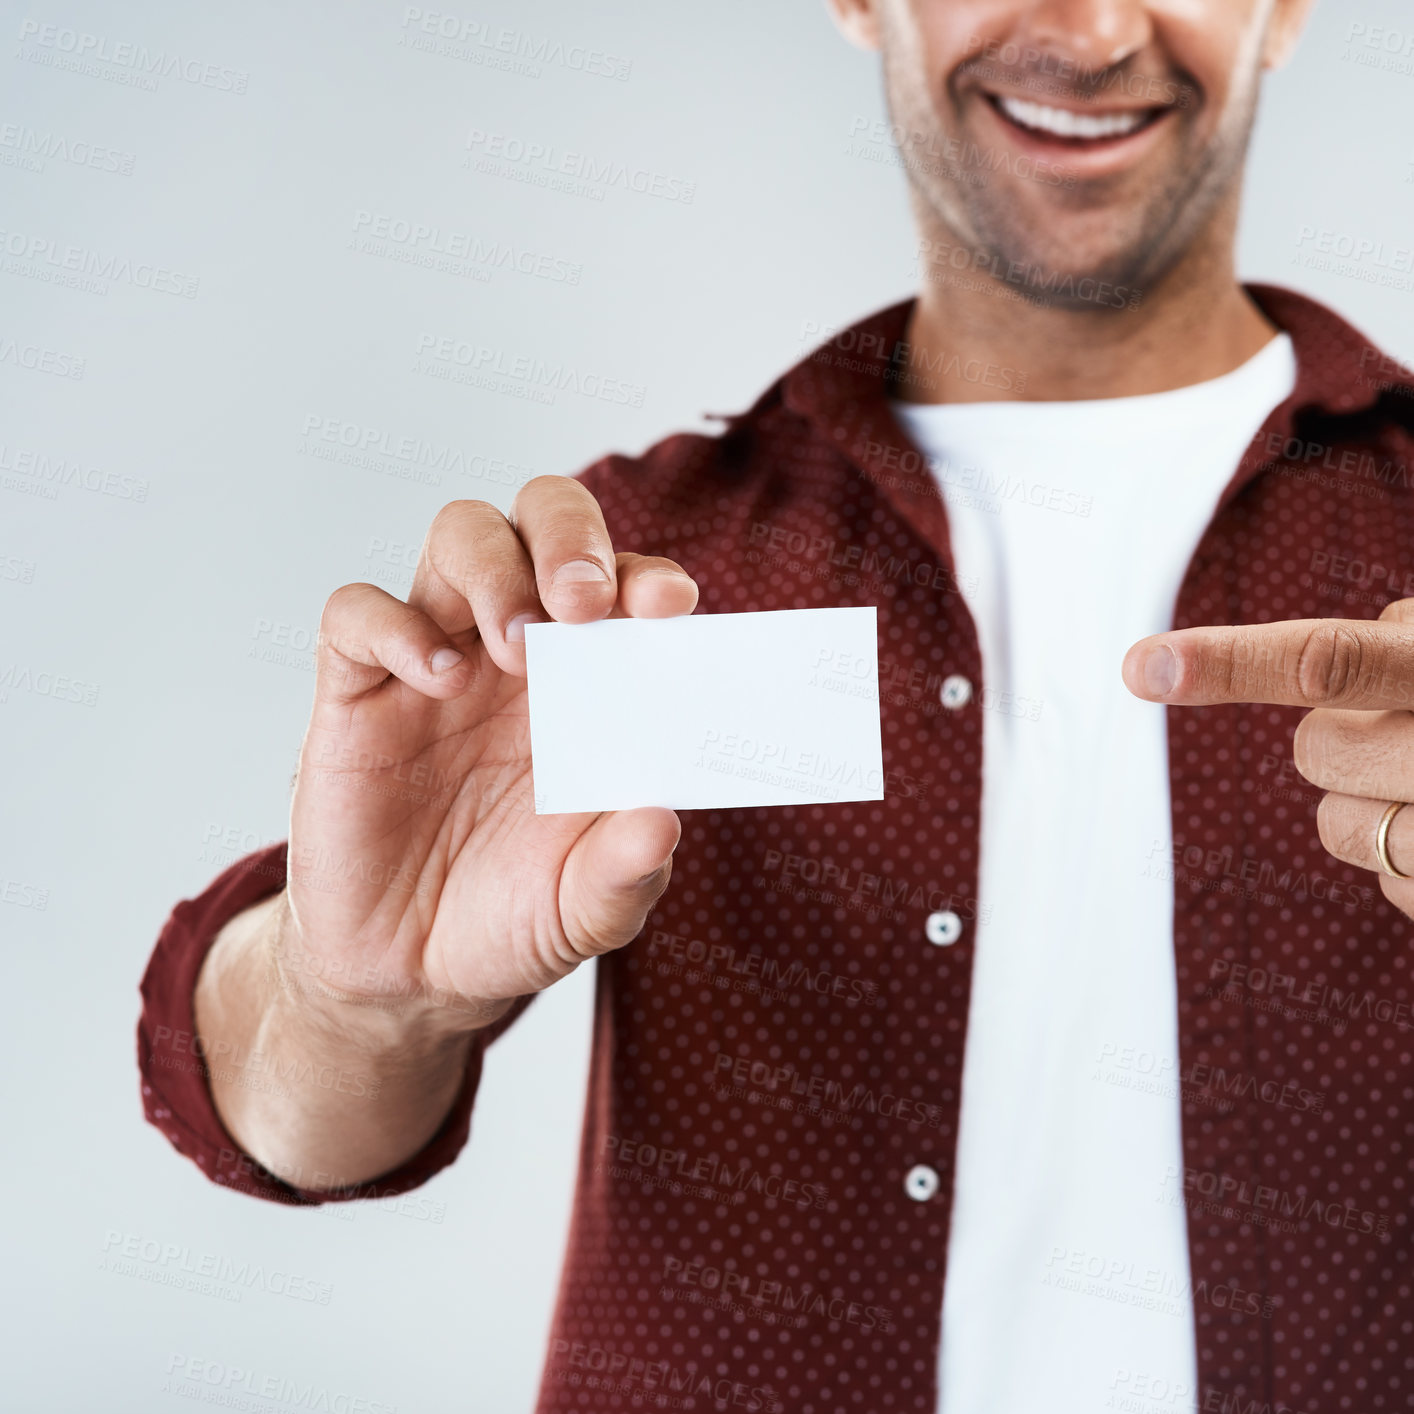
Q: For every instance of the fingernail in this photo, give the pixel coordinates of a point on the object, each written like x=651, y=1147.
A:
x=515, y=629
x=445, y=659
x=1160, y=670
x=578, y=572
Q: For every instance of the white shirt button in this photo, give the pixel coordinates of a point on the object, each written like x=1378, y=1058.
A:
x=921, y=1183
x=943, y=928
x=956, y=692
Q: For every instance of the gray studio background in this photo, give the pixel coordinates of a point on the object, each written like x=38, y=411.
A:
x=179, y=579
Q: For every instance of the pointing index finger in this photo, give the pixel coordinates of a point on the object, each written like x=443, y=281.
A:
x=1298, y=663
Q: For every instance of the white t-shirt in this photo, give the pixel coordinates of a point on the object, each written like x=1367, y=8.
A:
x=1073, y=524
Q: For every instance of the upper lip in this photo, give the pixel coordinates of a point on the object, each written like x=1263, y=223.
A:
x=1081, y=106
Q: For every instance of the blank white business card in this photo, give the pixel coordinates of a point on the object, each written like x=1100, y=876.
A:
x=705, y=712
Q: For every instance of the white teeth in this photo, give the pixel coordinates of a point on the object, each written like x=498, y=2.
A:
x=1061, y=122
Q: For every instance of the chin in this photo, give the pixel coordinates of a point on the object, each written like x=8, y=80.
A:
x=1092, y=266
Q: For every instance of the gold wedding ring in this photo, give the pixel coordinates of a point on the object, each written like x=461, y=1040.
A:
x=1382, y=839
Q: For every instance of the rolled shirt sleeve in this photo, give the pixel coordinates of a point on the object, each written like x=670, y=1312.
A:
x=176, y=1095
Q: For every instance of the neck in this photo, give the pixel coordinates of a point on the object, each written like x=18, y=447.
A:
x=1197, y=323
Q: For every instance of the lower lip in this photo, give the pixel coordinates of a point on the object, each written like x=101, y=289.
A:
x=1098, y=157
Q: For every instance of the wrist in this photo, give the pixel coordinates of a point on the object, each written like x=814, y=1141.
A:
x=367, y=1008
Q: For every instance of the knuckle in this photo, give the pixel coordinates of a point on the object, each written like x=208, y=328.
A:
x=455, y=516
x=341, y=605
x=564, y=494
x=1333, y=827
x=587, y=501
x=1231, y=662
x=458, y=536
x=1398, y=892
x=536, y=490
x=1330, y=752
x=1303, y=749
x=1350, y=836
x=1330, y=664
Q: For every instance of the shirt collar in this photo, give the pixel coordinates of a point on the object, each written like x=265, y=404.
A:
x=843, y=388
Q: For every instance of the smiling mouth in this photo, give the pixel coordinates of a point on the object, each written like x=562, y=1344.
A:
x=1065, y=125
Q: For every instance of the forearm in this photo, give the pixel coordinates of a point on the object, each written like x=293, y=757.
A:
x=325, y=1091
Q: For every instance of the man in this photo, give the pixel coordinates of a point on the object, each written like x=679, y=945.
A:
x=1073, y=1075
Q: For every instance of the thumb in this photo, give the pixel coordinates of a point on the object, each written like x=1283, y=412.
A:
x=614, y=874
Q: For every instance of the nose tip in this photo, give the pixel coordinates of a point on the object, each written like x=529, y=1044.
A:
x=1101, y=34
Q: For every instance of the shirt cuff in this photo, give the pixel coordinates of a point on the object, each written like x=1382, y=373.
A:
x=176, y=1095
